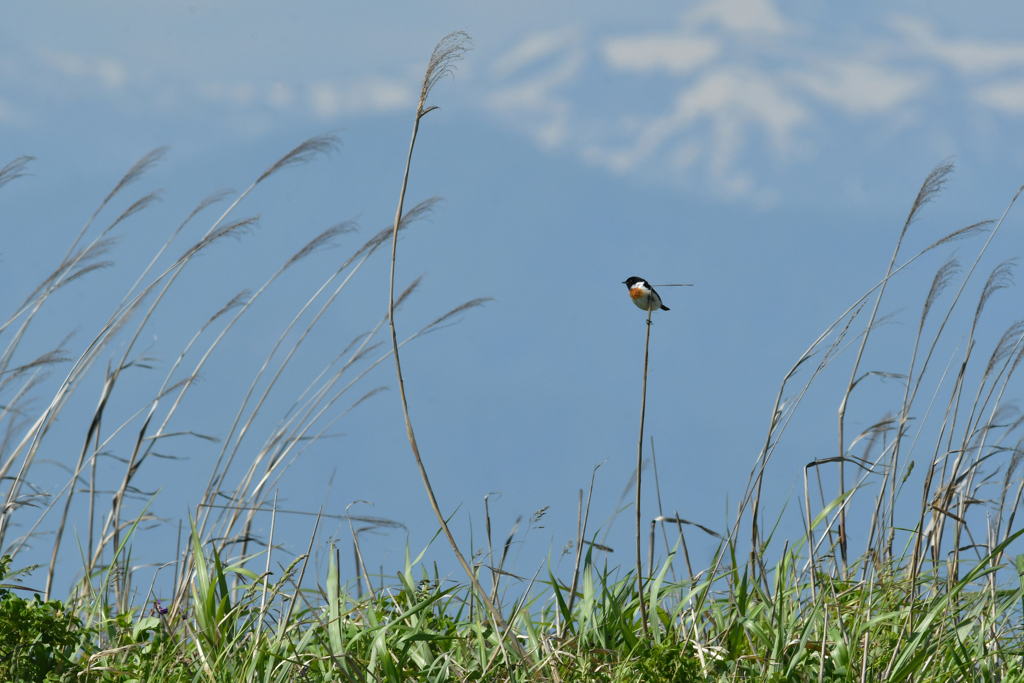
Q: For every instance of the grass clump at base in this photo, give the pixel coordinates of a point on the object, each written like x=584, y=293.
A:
x=39, y=640
x=712, y=629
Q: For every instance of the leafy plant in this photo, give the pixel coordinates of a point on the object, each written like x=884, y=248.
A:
x=39, y=640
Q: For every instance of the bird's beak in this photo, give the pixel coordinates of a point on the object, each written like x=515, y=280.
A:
x=623, y=282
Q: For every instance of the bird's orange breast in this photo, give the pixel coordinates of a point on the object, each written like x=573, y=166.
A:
x=636, y=292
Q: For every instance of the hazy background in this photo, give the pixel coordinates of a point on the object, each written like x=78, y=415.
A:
x=767, y=153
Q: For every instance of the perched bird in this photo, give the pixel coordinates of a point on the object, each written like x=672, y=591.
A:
x=643, y=295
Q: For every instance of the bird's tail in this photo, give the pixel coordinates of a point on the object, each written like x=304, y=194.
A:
x=665, y=308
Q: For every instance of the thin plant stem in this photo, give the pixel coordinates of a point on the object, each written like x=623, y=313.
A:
x=266, y=572
x=582, y=539
x=439, y=60
x=661, y=513
x=639, y=473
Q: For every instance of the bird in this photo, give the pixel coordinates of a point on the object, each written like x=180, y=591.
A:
x=643, y=295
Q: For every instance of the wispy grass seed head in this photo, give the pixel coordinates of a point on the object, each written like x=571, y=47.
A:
x=14, y=170
x=324, y=240
x=238, y=300
x=1000, y=278
x=943, y=276
x=320, y=144
x=930, y=189
x=234, y=230
x=451, y=49
x=136, y=171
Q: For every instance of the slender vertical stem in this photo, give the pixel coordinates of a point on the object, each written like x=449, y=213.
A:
x=495, y=614
x=266, y=571
x=824, y=639
x=177, y=560
x=639, y=472
x=579, y=521
x=661, y=513
x=579, y=546
x=682, y=542
x=650, y=548
x=359, y=573
x=561, y=626
x=287, y=620
x=92, y=500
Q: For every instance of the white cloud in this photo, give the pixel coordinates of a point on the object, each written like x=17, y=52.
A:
x=280, y=95
x=968, y=56
x=860, y=87
x=710, y=122
x=742, y=75
x=740, y=16
x=552, y=60
x=108, y=71
x=742, y=95
x=329, y=100
x=533, y=49
x=111, y=73
x=731, y=102
x=674, y=53
x=1006, y=97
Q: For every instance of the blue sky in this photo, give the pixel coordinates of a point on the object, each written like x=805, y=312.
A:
x=767, y=153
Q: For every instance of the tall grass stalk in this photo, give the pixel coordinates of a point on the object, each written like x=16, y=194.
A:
x=451, y=49
x=639, y=475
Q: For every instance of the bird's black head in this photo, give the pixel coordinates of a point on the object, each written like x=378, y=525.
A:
x=634, y=281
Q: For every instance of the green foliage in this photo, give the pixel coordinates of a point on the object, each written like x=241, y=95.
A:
x=671, y=663
x=38, y=640
x=734, y=625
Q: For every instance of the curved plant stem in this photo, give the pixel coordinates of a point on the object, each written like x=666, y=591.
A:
x=436, y=63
